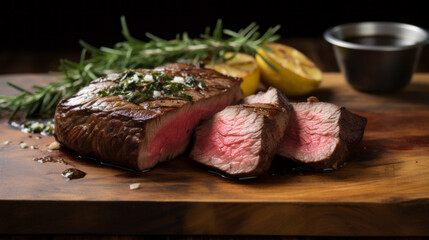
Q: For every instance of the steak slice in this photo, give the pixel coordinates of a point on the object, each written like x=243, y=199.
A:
x=318, y=134
x=321, y=134
x=241, y=140
x=138, y=136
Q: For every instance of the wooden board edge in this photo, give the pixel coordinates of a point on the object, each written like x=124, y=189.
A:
x=209, y=218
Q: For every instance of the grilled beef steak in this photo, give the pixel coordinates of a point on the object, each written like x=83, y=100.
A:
x=241, y=140
x=139, y=136
x=318, y=134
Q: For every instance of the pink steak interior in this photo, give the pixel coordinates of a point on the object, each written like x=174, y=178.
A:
x=310, y=136
x=173, y=136
x=230, y=142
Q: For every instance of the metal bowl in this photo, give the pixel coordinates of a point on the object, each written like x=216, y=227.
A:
x=377, y=56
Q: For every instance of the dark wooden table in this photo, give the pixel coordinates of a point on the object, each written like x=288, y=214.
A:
x=317, y=49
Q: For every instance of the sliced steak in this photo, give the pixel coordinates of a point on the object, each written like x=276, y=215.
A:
x=241, y=140
x=139, y=136
x=321, y=134
x=318, y=134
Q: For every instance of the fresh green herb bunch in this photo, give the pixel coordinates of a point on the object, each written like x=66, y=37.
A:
x=137, y=87
x=132, y=54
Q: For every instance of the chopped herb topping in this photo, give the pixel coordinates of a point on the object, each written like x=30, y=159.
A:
x=44, y=128
x=138, y=87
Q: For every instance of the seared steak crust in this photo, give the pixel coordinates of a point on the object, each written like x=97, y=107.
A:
x=115, y=131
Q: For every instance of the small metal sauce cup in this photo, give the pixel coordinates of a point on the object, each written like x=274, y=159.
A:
x=377, y=57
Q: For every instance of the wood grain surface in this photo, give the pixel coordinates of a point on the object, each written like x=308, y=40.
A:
x=382, y=191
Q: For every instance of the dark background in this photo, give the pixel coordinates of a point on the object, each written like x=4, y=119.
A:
x=36, y=32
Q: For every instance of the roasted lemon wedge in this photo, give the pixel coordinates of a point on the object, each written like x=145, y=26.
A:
x=297, y=75
x=241, y=65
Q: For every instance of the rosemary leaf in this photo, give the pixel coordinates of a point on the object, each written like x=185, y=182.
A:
x=18, y=88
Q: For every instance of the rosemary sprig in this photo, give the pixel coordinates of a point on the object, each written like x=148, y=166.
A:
x=131, y=54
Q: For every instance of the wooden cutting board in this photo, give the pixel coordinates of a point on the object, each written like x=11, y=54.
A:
x=382, y=191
